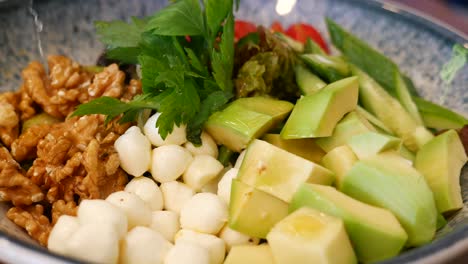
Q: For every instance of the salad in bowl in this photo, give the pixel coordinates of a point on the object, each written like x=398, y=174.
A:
x=202, y=138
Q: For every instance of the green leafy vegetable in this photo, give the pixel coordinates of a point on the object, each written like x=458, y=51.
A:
x=456, y=63
x=120, y=34
x=182, y=18
x=185, y=80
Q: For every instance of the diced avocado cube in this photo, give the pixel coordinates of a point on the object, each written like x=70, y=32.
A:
x=441, y=161
x=278, y=172
x=304, y=147
x=250, y=254
x=246, y=119
x=252, y=211
x=389, y=181
x=316, y=115
x=309, y=236
x=352, y=124
x=340, y=160
x=277, y=109
x=375, y=233
x=371, y=143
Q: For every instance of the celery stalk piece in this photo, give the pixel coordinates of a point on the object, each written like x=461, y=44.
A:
x=374, y=63
x=308, y=82
x=439, y=117
x=373, y=120
x=330, y=68
x=378, y=101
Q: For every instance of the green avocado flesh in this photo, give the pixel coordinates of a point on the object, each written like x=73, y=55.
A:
x=308, y=82
x=374, y=232
x=278, y=172
x=441, y=161
x=245, y=119
x=371, y=143
x=340, y=160
x=303, y=147
x=250, y=254
x=277, y=109
x=390, y=182
x=252, y=211
x=309, y=236
x=352, y=124
x=316, y=115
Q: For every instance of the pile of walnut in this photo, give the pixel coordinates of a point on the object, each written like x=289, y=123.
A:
x=70, y=159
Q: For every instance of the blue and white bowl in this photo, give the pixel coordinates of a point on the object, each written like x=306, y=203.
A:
x=417, y=44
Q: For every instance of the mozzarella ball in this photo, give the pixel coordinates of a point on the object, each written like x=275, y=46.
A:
x=233, y=238
x=143, y=245
x=166, y=223
x=95, y=243
x=212, y=243
x=169, y=162
x=240, y=159
x=186, y=252
x=134, y=151
x=148, y=191
x=208, y=146
x=204, y=212
x=175, y=195
x=176, y=137
x=138, y=213
x=103, y=213
x=65, y=227
x=224, y=185
x=202, y=170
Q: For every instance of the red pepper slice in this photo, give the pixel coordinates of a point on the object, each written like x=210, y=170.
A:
x=277, y=27
x=242, y=28
x=302, y=31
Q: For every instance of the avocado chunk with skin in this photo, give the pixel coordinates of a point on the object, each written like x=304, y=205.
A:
x=441, y=161
x=250, y=254
x=277, y=109
x=352, y=124
x=252, y=211
x=340, y=160
x=303, y=147
x=246, y=119
x=375, y=233
x=278, y=172
x=371, y=143
x=389, y=181
x=308, y=82
x=309, y=236
x=330, y=68
x=316, y=115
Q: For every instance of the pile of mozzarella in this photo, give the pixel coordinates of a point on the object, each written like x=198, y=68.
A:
x=183, y=220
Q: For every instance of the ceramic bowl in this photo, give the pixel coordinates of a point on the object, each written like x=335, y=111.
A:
x=419, y=45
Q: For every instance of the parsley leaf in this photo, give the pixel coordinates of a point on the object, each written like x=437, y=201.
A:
x=186, y=80
x=181, y=18
x=222, y=61
x=120, y=34
x=212, y=103
x=128, y=55
x=216, y=11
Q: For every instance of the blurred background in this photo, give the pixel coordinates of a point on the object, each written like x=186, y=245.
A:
x=452, y=12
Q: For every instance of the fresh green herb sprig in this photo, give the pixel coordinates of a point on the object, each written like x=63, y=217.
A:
x=186, y=54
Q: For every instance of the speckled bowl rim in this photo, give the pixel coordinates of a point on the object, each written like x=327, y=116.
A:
x=444, y=249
